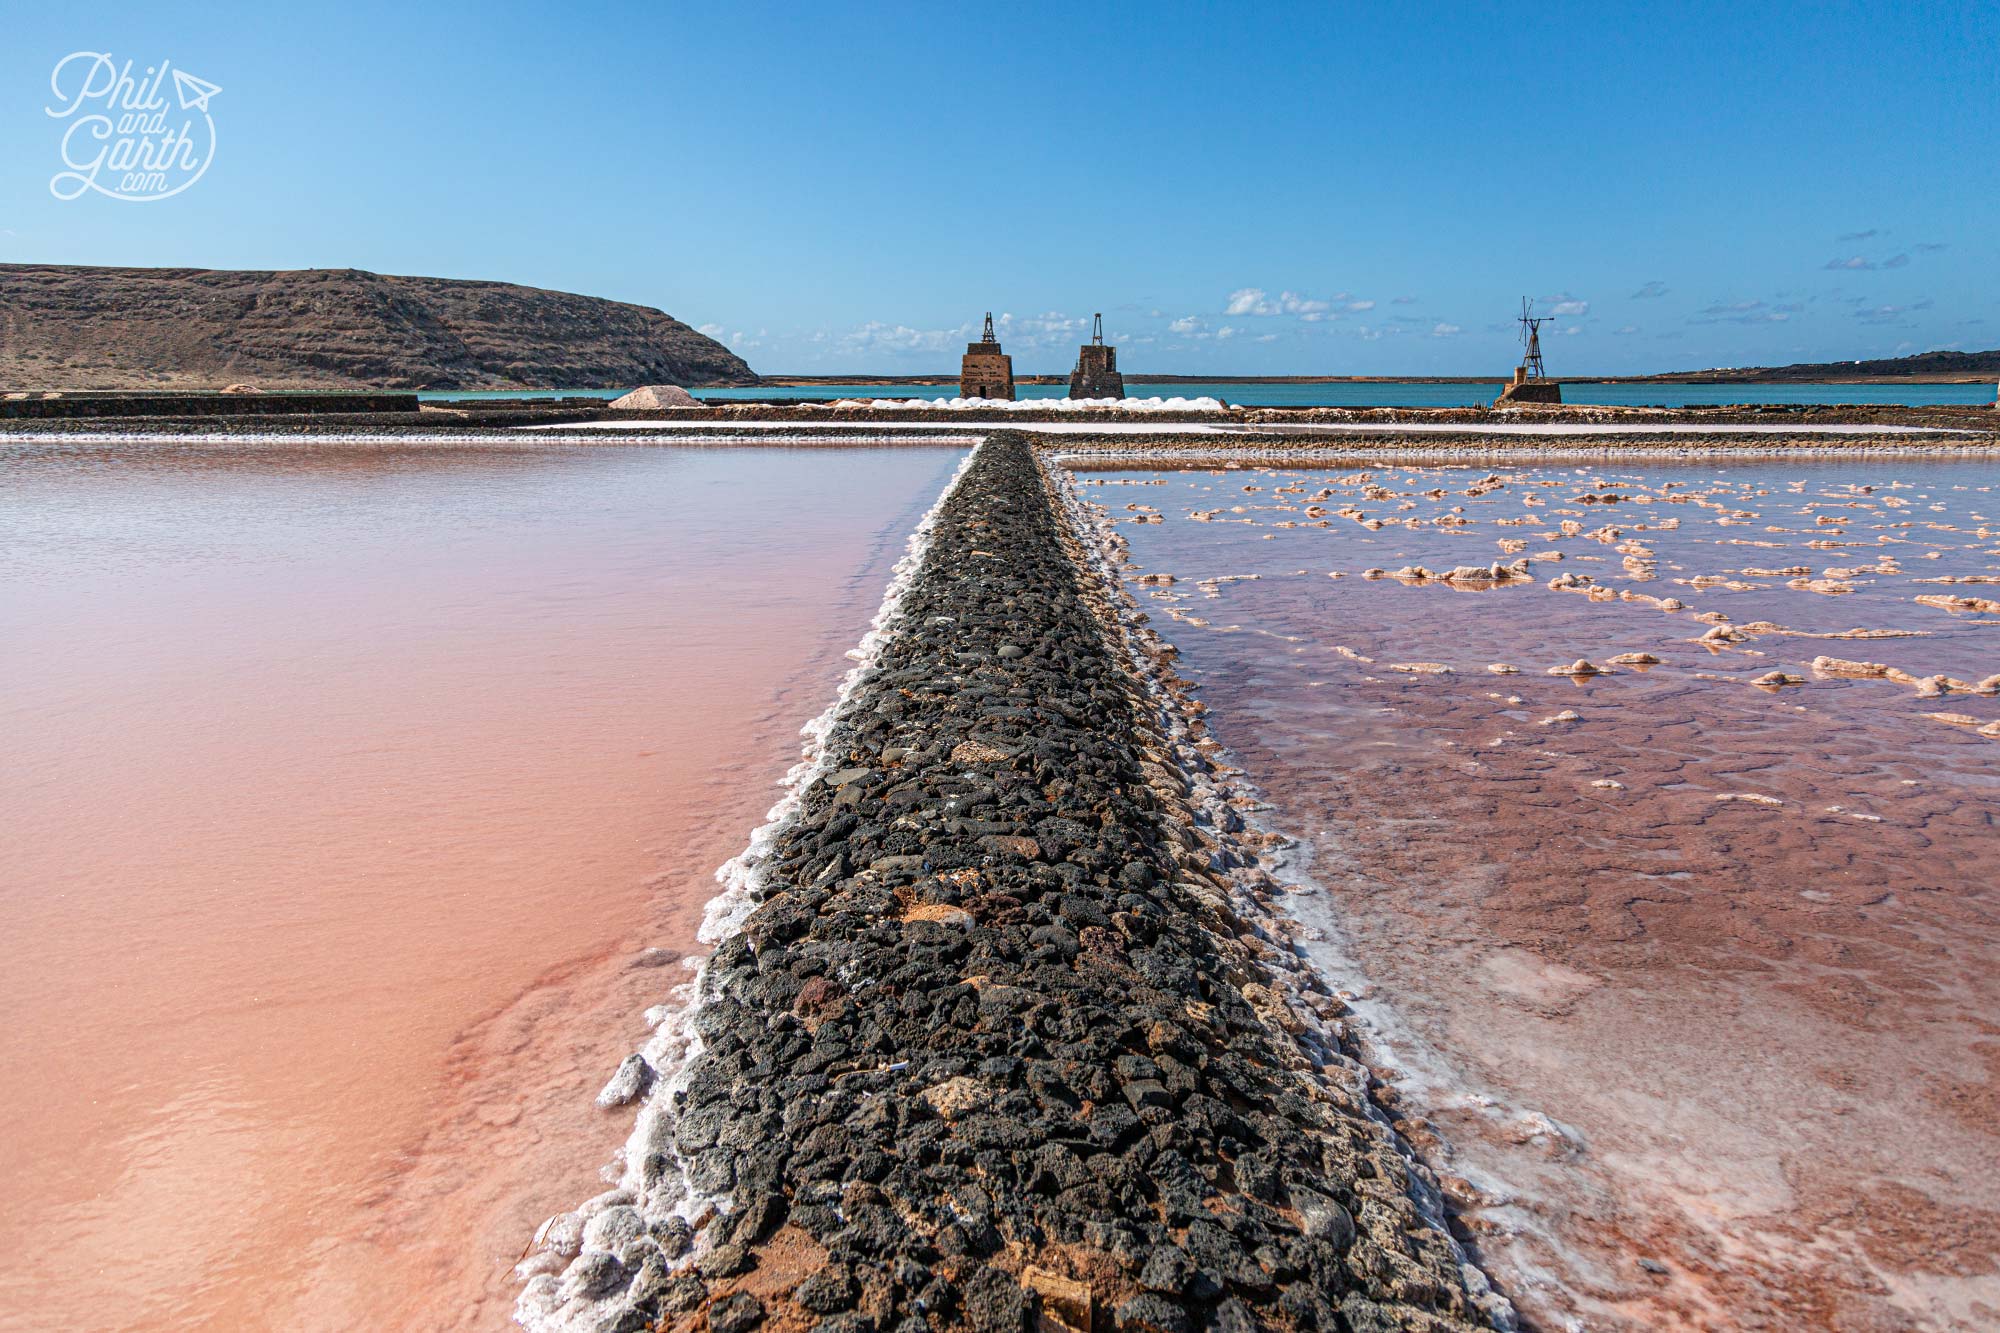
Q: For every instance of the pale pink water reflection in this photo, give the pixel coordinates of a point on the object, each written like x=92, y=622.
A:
x=340, y=786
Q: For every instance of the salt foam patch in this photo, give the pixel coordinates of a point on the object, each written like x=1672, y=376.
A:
x=545, y=1306
x=1308, y=452
x=1037, y=404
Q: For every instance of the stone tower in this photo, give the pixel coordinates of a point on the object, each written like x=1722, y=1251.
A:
x=986, y=372
x=1096, y=374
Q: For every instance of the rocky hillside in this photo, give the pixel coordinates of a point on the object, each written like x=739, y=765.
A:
x=127, y=328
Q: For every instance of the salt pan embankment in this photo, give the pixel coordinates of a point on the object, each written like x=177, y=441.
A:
x=1010, y=1035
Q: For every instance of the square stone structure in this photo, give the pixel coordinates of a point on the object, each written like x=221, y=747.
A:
x=1096, y=374
x=986, y=372
x=1524, y=388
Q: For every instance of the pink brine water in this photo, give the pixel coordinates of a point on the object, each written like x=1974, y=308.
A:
x=341, y=787
x=1682, y=975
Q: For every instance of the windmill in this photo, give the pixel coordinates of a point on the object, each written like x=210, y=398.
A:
x=1096, y=374
x=1531, y=382
x=986, y=371
x=1531, y=339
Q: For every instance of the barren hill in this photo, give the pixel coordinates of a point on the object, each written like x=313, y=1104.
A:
x=126, y=328
x=1936, y=366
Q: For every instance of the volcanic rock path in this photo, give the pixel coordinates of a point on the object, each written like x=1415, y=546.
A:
x=1004, y=1047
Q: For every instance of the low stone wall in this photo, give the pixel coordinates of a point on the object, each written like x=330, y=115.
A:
x=69, y=406
x=1004, y=1047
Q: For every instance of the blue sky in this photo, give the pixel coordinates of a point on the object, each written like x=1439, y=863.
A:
x=1274, y=189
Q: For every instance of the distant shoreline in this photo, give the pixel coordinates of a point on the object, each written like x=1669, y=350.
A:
x=813, y=381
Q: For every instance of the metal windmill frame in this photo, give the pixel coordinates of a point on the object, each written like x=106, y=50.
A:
x=1531, y=339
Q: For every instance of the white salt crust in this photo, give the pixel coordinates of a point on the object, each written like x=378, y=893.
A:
x=1222, y=454
x=1203, y=404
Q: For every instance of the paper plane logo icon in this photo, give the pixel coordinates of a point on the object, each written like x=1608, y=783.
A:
x=194, y=93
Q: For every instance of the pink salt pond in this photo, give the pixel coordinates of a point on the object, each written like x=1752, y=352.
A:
x=342, y=788
x=1689, y=994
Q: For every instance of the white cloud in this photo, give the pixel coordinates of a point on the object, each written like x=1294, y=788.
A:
x=1565, y=306
x=1890, y=314
x=1266, y=338
x=877, y=336
x=1226, y=332
x=1444, y=330
x=1360, y=305
x=1744, y=312
x=1187, y=324
x=1049, y=329
x=1856, y=262
x=1244, y=301
x=1256, y=301
x=710, y=330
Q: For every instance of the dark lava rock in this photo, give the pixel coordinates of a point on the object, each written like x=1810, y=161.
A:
x=1148, y=1313
x=684, y=1293
x=727, y=1261
x=828, y=1291
x=736, y=1314
x=989, y=1045
x=593, y=1275
x=1167, y=1271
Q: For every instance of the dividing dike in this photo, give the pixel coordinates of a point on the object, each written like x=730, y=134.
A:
x=1012, y=1038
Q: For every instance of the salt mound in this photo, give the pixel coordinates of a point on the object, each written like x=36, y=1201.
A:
x=653, y=397
x=1036, y=404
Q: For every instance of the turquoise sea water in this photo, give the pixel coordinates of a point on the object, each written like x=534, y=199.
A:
x=1461, y=393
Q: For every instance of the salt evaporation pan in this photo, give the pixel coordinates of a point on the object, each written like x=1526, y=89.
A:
x=566, y=1243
